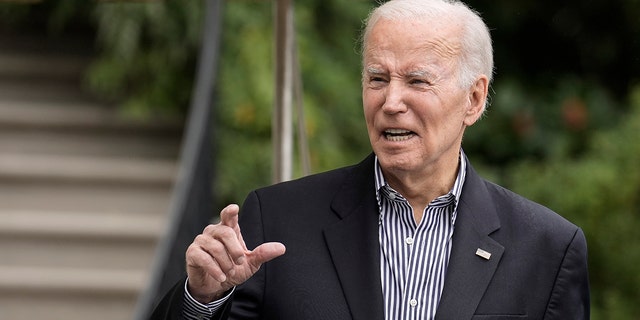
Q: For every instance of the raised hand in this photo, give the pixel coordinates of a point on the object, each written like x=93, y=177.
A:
x=218, y=259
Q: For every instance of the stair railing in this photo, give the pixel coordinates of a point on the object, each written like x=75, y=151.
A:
x=192, y=201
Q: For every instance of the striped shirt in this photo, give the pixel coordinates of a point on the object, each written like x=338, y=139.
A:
x=414, y=257
x=194, y=310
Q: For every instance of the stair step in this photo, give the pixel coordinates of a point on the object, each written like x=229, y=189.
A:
x=84, y=169
x=42, y=65
x=84, y=191
x=80, y=114
x=80, y=226
x=41, y=90
x=71, y=280
x=68, y=252
x=67, y=306
x=36, y=141
x=68, y=293
x=80, y=198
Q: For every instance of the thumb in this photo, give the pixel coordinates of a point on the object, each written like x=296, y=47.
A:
x=265, y=252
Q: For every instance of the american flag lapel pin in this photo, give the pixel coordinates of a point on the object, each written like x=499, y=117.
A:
x=483, y=254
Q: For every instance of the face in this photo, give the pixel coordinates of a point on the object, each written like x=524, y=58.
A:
x=415, y=108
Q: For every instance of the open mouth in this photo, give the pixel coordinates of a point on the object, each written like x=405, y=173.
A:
x=398, y=134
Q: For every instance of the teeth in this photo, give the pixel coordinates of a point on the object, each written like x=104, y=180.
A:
x=396, y=131
x=397, y=134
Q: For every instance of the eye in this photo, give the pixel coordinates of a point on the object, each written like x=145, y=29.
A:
x=376, y=81
x=418, y=82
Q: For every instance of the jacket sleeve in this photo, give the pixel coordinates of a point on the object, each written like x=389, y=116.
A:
x=570, y=295
x=171, y=306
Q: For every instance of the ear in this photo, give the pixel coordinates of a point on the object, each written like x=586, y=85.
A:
x=477, y=100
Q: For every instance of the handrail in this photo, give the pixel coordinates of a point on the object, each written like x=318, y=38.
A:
x=192, y=201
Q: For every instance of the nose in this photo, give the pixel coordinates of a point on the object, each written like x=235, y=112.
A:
x=394, y=101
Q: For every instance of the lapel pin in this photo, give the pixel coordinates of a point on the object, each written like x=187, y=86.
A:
x=483, y=254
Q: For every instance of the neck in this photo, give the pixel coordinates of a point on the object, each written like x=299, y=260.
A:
x=420, y=188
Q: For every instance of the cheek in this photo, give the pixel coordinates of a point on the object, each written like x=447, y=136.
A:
x=370, y=105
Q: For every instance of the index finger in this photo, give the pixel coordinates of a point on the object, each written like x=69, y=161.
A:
x=229, y=216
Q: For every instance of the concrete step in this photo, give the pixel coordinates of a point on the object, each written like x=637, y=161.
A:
x=84, y=129
x=84, y=191
x=114, y=241
x=71, y=280
x=67, y=252
x=86, y=169
x=81, y=226
x=66, y=306
x=42, y=66
x=67, y=293
x=50, y=123
x=76, y=197
x=79, y=115
x=42, y=90
x=90, y=143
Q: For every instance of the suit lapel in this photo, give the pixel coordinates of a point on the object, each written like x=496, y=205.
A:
x=355, y=250
x=353, y=243
x=469, y=274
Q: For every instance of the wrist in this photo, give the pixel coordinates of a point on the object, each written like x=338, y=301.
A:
x=204, y=296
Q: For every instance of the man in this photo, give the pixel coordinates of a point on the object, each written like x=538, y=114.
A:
x=411, y=232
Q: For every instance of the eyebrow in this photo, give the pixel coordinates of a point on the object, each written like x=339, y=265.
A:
x=374, y=70
x=420, y=73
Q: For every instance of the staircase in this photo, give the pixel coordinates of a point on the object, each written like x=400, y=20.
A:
x=83, y=193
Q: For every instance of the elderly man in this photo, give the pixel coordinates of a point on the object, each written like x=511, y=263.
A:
x=411, y=232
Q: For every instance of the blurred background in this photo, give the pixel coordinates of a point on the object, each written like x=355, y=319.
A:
x=94, y=97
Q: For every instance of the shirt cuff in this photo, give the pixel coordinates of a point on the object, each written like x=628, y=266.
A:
x=194, y=310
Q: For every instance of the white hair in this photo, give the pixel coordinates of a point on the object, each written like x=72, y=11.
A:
x=476, y=56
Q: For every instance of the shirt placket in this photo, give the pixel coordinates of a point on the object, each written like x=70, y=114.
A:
x=418, y=273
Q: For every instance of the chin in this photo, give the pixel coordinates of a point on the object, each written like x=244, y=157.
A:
x=396, y=162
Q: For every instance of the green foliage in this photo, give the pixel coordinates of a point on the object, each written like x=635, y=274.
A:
x=243, y=125
x=148, y=55
x=331, y=78
x=53, y=18
x=148, y=58
x=525, y=122
x=12, y=14
x=599, y=191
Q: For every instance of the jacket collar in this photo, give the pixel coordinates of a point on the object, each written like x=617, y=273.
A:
x=355, y=249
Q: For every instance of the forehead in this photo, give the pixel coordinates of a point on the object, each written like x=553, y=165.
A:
x=412, y=41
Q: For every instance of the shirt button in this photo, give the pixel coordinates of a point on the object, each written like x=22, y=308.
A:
x=408, y=240
x=392, y=196
x=413, y=302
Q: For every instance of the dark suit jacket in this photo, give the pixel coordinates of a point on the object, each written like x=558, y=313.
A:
x=331, y=270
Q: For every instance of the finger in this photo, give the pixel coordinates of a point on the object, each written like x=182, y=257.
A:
x=222, y=243
x=225, y=246
x=204, y=264
x=229, y=216
x=222, y=253
x=265, y=252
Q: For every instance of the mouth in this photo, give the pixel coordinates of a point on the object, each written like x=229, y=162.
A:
x=398, y=134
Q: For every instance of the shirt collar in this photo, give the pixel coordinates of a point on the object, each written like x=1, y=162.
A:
x=384, y=190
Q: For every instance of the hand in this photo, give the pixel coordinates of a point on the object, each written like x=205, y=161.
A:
x=218, y=259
